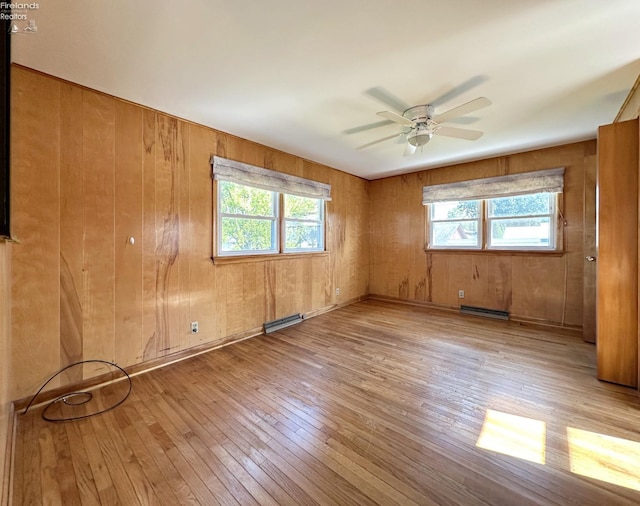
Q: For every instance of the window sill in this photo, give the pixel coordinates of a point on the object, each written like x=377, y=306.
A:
x=241, y=259
x=503, y=252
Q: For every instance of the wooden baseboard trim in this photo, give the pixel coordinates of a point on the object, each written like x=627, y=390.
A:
x=179, y=356
x=513, y=319
x=134, y=370
x=144, y=367
x=6, y=484
x=408, y=302
x=327, y=309
x=536, y=322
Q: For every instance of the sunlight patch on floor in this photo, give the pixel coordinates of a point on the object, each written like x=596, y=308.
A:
x=516, y=436
x=604, y=458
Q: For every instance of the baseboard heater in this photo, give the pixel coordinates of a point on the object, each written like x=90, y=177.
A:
x=483, y=311
x=281, y=323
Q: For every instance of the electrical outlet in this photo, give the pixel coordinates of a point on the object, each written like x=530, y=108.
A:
x=337, y=291
x=461, y=294
x=194, y=327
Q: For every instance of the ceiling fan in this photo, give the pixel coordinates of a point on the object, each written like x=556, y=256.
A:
x=423, y=124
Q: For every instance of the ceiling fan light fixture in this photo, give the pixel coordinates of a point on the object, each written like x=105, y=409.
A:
x=419, y=137
x=421, y=123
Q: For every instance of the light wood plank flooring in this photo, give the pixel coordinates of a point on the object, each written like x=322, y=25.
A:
x=375, y=403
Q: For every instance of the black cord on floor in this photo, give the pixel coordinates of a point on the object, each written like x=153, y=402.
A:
x=70, y=399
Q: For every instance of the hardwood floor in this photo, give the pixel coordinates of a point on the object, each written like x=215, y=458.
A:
x=374, y=403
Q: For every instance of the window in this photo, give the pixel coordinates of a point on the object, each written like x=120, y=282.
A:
x=455, y=224
x=518, y=222
x=303, y=224
x=248, y=219
x=260, y=211
x=514, y=212
x=523, y=221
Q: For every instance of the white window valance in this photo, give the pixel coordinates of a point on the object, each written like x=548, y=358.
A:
x=243, y=173
x=540, y=181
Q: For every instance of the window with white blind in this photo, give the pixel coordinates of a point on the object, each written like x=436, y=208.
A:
x=515, y=212
x=260, y=211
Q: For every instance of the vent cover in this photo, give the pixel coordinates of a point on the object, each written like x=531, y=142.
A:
x=281, y=323
x=483, y=311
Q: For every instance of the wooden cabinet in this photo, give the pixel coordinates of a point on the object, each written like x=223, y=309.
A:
x=617, y=239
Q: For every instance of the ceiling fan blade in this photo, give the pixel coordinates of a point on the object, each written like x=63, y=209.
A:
x=458, y=133
x=464, y=120
x=396, y=118
x=387, y=98
x=463, y=109
x=402, y=138
x=409, y=150
x=377, y=141
x=459, y=90
x=368, y=126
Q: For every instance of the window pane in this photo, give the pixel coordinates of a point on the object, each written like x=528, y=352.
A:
x=521, y=205
x=455, y=210
x=241, y=199
x=519, y=232
x=302, y=208
x=303, y=236
x=454, y=234
x=247, y=234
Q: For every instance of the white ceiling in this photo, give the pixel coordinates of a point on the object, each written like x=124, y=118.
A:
x=294, y=74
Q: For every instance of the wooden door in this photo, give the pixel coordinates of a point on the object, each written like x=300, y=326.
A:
x=617, y=278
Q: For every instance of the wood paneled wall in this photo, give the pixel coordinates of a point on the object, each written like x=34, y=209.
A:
x=5, y=368
x=89, y=172
x=533, y=287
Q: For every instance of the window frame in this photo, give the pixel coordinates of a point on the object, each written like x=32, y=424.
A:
x=321, y=222
x=274, y=219
x=553, y=225
x=279, y=227
x=556, y=236
x=478, y=220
